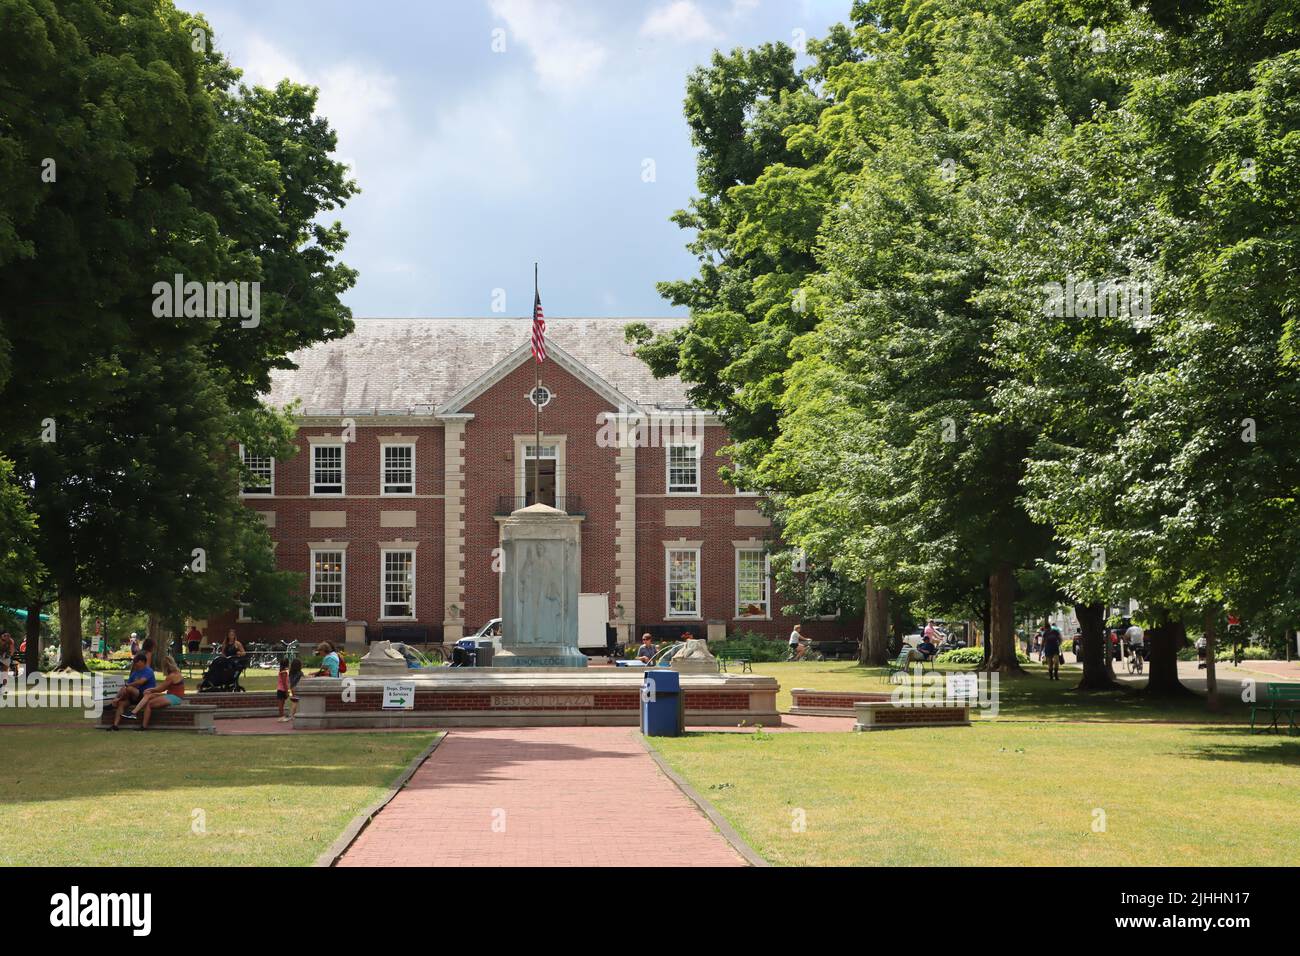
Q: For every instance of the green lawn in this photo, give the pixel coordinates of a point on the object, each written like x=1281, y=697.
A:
x=1005, y=793
x=1031, y=697
x=78, y=796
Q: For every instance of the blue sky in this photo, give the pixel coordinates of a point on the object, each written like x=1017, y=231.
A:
x=475, y=162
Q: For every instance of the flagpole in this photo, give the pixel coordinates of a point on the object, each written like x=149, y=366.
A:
x=537, y=406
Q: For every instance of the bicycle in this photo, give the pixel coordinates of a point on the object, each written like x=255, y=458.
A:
x=804, y=652
x=1135, y=661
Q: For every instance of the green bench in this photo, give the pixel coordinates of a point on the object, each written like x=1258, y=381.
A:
x=899, y=666
x=192, y=662
x=1280, y=699
x=746, y=665
x=900, y=663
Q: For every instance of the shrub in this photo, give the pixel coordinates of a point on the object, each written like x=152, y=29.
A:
x=756, y=647
x=971, y=655
x=1223, y=652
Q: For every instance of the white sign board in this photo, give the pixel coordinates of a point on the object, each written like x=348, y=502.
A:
x=399, y=695
x=112, y=683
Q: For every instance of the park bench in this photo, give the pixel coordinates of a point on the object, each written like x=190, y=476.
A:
x=1280, y=699
x=745, y=664
x=899, y=665
x=831, y=703
x=889, y=715
x=193, y=717
x=193, y=662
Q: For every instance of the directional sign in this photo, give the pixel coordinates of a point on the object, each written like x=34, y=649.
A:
x=399, y=695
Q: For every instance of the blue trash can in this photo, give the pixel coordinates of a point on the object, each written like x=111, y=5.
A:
x=663, y=707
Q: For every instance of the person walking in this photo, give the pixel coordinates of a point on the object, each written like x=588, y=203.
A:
x=1051, y=651
x=295, y=675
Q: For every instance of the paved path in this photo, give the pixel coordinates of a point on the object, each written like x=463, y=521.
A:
x=540, y=796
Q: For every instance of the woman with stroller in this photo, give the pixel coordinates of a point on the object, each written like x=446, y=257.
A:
x=231, y=647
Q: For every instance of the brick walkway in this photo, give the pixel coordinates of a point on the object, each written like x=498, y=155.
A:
x=540, y=796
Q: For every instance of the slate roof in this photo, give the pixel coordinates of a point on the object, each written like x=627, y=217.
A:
x=394, y=366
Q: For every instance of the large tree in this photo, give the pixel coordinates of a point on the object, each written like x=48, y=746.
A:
x=137, y=156
x=1167, y=458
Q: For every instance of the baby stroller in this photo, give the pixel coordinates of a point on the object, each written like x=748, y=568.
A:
x=223, y=674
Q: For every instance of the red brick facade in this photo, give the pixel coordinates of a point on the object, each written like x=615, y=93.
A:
x=496, y=420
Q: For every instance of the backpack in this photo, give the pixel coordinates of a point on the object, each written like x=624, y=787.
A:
x=343, y=665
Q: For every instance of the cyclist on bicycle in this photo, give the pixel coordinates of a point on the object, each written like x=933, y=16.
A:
x=1135, y=638
x=798, y=644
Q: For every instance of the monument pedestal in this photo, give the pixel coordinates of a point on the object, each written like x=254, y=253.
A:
x=541, y=656
x=539, y=590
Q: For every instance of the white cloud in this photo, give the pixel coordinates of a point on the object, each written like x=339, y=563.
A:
x=360, y=102
x=681, y=21
x=563, y=57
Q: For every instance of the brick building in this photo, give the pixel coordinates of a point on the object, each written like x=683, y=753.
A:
x=417, y=439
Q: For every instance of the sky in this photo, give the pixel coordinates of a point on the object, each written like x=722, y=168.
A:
x=489, y=134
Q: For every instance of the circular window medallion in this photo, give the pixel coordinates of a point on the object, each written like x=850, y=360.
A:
x=540, y=396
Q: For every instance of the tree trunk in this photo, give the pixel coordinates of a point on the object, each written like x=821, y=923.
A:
x=875, y=626
x=1166, y=640
x=986, y=622
x=32, y=664
x=1096, y=648
x=70, y=655
x=1002, y=623
x=1211, y=678
x=161, y=638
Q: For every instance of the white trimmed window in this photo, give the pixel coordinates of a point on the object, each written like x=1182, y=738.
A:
x=327, y=469
x=737, y=489
x=259, y=474
x=398, y=476
x=398, y=584
x=684, y=468
x=242, y=616
x=328, y=571
x=753, y=593
x=683, y=582
x=543, y=487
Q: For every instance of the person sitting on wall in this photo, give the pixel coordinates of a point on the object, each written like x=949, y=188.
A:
x=169, y=693
x=140, y=680
x=647, y=651
x=329, y=665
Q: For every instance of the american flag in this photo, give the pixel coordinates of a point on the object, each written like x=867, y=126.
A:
x=539, y=329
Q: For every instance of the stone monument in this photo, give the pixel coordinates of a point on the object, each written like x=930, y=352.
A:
x=694, y=658
x=539, y=590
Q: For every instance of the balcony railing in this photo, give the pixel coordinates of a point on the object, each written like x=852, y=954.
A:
x=569, y=504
